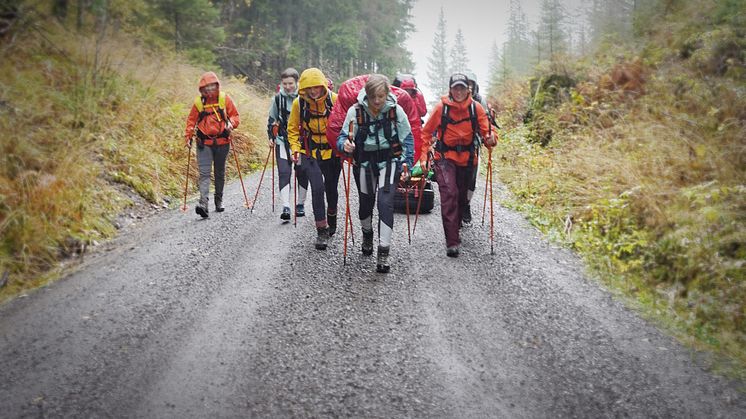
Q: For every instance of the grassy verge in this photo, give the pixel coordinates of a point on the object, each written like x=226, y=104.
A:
x=82, y=116
x=651, y=188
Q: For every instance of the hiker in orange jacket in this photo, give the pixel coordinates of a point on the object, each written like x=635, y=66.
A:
x=461, y=126
x=212, y=119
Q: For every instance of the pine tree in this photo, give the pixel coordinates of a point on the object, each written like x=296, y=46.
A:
x=552, y=31
x=459, y=57
x=437, y=62
x=495, y=72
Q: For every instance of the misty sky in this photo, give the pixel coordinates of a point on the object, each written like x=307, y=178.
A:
x=481, y=21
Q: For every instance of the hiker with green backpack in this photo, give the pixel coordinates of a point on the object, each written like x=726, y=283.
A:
x=377, y=134
x=212, y=119
x=277, y=123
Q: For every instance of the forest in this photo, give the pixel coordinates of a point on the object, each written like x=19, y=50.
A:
x=623, y=126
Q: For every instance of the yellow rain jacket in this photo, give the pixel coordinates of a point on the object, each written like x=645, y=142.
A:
x=308, y=117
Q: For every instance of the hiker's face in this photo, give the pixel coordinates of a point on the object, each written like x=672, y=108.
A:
x=289, y=84
x=315, y=92
x=210, y=88
x=376, y=102
x=459, y=92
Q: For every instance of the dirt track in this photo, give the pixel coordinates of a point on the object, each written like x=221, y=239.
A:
x=239, y=316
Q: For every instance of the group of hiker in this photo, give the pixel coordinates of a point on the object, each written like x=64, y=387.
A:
x=373, y=126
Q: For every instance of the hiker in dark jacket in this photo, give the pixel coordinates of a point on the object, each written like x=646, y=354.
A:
x=279, y=112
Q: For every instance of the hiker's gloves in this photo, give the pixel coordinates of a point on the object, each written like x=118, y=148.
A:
x=228, y=125
x=349, y=146
x=188, y=142
x=490, y=141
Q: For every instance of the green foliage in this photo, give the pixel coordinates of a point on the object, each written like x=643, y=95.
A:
x=648, y=185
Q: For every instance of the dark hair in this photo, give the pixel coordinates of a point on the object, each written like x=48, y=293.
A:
x=290, y=72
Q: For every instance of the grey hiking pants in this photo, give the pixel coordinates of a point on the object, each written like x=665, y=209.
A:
x=208, y=156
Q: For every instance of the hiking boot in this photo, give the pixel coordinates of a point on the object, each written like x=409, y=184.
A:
x=300, y=210
x=201, y=210
x=452, y=252
x=285, y=216
x=466, y=215
x=367, y=242
x=331, y=220
x=382, y=263
x=219, y=205
x=322, y=238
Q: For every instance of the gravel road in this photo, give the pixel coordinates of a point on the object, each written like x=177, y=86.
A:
x=239, y=316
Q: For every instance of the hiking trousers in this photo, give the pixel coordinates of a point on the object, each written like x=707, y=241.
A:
x=284, y=171
x=323, y=175
x=371, y=185
x=207, y=157
x=453, y=184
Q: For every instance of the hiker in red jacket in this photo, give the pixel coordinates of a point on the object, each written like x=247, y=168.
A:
x=461, y=125
x=212, y=119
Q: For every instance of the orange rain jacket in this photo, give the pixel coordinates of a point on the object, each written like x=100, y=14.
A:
x=212, y=124
x=455, y=134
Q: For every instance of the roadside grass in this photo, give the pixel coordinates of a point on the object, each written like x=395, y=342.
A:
x=650, y=189
x=82, y=114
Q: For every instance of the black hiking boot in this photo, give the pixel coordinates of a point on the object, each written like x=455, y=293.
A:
x=219, y=205
x=322, y=237
x=202, y=210
x=367, y=242
x=300, y=210
x=466, y=215
x=382, y=263
x=331, y=219
x=452, y=252
x=285, y=216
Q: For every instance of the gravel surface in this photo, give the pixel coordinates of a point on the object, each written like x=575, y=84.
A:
x=239, y=316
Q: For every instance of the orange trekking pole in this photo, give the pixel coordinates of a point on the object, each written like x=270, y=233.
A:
x=421, y=191
x=346, y=179
x=295, y=193
x=487, y=178
x=492, y=224
x=238, y=169
x=186, y=185
x=273, y=178
x=348, y=217
x=405, y=169
x=261, y=178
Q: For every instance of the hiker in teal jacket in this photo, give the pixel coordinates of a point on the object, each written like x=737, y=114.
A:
x=277, y=124
x=380, y=141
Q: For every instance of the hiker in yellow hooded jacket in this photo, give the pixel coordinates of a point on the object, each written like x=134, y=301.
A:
x=311, y=151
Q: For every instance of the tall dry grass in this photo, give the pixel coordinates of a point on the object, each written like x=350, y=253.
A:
x=84, y=114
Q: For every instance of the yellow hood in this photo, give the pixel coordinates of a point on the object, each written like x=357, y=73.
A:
x=309, y=78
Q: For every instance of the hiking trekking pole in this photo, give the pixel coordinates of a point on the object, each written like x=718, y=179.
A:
x=186, y=185
x=421, y=189
x=261, y=178
x=492, y=223
x=487, y=179
x=238, y=169
x=348, y=225
x=346, y=183
x=295, y=193
x=273, y=178
x=406, y=203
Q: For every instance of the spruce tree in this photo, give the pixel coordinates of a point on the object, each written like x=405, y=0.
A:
x=437, y=62
x=459, y=57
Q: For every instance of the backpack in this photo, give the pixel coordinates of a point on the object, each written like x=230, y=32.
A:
x=218, y=109
x=373, y=157
x=445, y=120
x=306, y=116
